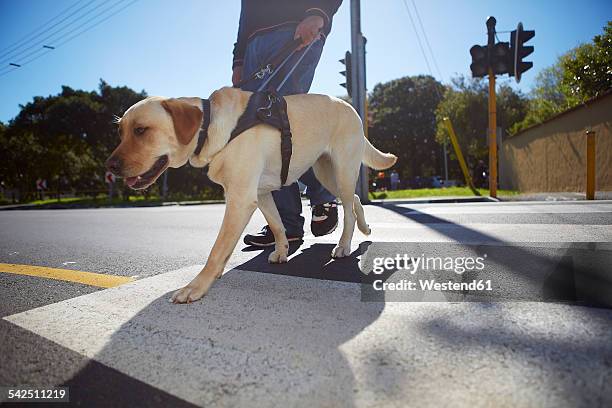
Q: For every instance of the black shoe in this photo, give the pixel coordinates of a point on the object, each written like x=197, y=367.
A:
x=324, y=219
x=265, y=238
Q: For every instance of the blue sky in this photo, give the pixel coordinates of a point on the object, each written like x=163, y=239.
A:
x=183, y=47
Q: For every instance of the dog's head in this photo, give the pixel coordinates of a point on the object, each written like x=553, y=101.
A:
x=156, y=133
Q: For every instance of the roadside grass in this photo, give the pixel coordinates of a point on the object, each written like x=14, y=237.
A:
x=99, y=201
x=437, y=192
x=90, y=200
x=102, y=200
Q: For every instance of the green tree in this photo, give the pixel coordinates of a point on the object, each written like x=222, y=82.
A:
x=548, y=96
x=404, y=122
x=57, y=129
x=588, y=72
x=63, y=138
x=66, y=138
x=465, y=103
x=577, y=76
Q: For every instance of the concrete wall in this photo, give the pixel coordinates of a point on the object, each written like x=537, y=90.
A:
x=551, y=156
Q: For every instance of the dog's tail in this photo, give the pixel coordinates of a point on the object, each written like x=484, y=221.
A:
x=376, y=159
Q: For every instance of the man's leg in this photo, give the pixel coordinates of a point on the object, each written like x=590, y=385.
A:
x=287, y=199
x=316, y=193
x=324, y=208
x=288, y=202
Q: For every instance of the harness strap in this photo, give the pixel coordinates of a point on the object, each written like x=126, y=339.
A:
x=286, y=145
x=203, y=135
x=271, y=109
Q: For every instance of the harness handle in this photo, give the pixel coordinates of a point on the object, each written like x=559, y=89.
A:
x=278, y=88
x=286, y=51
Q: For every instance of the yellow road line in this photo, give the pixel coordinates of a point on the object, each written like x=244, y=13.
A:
x=87, y=278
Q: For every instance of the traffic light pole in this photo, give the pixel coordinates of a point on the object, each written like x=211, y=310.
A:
x=492, y=137
x=492, y=113
x=499, y=59
x=359, y=86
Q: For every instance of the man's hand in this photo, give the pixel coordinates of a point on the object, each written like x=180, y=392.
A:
x=236, y=75
x=309, y=30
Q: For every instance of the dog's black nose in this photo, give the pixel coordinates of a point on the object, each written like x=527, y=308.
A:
x=113, y=164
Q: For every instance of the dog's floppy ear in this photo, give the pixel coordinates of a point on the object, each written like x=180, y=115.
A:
x=186, y=118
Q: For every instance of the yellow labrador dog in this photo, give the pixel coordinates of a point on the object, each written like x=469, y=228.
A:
x=157, y=133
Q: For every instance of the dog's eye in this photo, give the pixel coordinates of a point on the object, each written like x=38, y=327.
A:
x=140, y=130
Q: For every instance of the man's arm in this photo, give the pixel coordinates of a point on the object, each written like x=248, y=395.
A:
x=317, y=18
x=239, y=50
x=324, y=9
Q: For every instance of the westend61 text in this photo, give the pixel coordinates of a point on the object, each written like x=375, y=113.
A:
x=432, y=284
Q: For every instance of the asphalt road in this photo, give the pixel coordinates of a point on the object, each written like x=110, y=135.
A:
x=306, y=333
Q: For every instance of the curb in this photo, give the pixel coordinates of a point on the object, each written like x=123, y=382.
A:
x=438, y=200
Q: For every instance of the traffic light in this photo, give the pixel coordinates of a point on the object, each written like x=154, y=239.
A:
x=501, y=59
x=479, y=65
x=519, y=50
x=347, y=73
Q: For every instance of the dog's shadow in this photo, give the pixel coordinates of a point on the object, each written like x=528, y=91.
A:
x=309, y=261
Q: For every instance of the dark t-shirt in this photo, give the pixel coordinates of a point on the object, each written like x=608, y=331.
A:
x=259, y=16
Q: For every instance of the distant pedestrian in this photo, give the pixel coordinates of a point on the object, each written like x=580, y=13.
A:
x=394, y=180
x=381, y=183
x=480, y=175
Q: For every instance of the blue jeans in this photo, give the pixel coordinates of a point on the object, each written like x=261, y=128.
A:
x=259, y=51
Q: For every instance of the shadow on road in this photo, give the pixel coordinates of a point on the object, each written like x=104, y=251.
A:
x=255, y=340
x=577, y=368
x=575, y=272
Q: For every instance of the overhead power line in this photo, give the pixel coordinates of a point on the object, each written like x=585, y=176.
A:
x=26, y=37
x=65, y=40
x=425, y=38
x=416, y=32
x=56, y=41
x=28, y=44
x=433, y=57
x=96, y=24
x=38, y=43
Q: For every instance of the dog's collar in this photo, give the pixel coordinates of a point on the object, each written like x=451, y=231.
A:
x=203, y=135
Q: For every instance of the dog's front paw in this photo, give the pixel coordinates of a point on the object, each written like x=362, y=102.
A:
x=190, y=293
x=277, y=257
x=340, y=251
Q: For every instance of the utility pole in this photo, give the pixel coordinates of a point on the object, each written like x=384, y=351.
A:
x=358, y=81
x=492, y=110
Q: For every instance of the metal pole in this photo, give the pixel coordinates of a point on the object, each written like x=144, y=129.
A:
x=590, y=162
x=359, y=88
x=492, y=112
x=492, y=137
